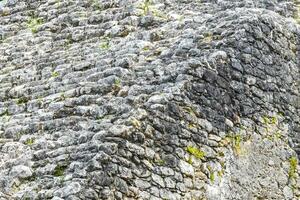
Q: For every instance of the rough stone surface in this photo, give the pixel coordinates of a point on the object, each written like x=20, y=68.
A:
x=160, y=99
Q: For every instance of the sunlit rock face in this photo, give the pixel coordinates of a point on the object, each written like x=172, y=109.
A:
x=159, y=99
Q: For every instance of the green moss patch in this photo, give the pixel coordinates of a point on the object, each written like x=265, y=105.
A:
x=195, y=152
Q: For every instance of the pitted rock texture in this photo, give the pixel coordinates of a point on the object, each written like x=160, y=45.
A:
x=161, y=99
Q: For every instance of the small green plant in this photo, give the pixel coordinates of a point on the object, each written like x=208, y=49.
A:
x=190, y=161
x=223, y=165
x=118, y=82
x=221, y=173
x=22, y=100
x=29, y=179
x=62, y=97
x=160, y=162
x=68, y=42
x=192, y=125
x=278, y=135
x=40, y=101
x=221, y=154
x=58, y=4
x=293, y=167
x=211, y=174
x=269, y=120
x=83, y=14
x=54, y=74
x=136, y=123
x=273, y=120
x=5, y=11
x=195, y=152
x=190, y=110
x=5, y=113
x=297, y=11
x=61, y=179
x=30, y=141
x=275, y=136
x=104, y=44
x=116, y=87
x=96, y=4
x=146, y=48
x=59, y=170
x=34, y=23
x=237, y=143
x=181, y=18
x=280, y=114
x=208, y=38
x=146, y=7
x=19, y=134
x=158, y=13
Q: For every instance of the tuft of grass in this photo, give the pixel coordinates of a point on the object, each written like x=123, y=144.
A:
x=236, y=142
x=148, y=8
x=195, y=152
x=293, y=167
x=22, y=100
x=33, y=24
x=59, y=170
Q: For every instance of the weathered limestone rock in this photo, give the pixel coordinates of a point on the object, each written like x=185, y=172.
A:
x=159, y=99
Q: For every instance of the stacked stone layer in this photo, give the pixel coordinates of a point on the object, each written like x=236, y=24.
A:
x=158, y=99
